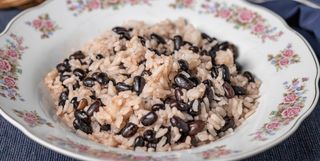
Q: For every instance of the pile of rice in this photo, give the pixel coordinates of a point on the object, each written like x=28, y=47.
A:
x=162, y=87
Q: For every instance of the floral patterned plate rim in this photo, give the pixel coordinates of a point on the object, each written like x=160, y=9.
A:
x=297, y=91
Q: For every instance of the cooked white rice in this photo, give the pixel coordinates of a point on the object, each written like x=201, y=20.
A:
x=157, y=92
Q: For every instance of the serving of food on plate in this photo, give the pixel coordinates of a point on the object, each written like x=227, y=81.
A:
x=155, y=80
x=162, y=87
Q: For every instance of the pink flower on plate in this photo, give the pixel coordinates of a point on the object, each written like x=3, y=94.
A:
x=288, y=53
x=224, y=13
x=290, y=112
x=94, y=4
x=245, y=16
x=284, y=62
x=37, y=23
x=10, y=82
x=259, y=28
x=4, y=65
x=290, y=98
x=48, y=25
x=187, y=2
x=83, y=148
x=272, y=125
x=12, y=53
x=30, y=118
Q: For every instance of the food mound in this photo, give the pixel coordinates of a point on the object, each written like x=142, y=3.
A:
x=160, y=87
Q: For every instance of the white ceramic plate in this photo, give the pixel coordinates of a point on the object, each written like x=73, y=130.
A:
x=38, y=38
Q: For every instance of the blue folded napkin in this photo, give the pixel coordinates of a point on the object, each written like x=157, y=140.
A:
x=303, y=18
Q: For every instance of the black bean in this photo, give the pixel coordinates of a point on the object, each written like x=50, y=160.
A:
x=150, y=136
x=82, y=115
x=64, y=95
x=225, y=73
x=213, y=51
x=129, y=130
x=61, y=68
x=178, y=94
x=249, y=76
x=214, y=72
x=64, y=77
x=157, y=107
x=83, y=103
x=168, y=136
x=178, y=42
x=183, y=64
x=155, y=51
x=209, y=93
x=207, y=82
x=149, y=118
x=79, y=73
x=183, y=82
x=62, y=103
x=123, y=32
x=120, y=86
x=239, y=90
x=89, y=82
x=194, y=141
x=142, y=40
x=238, y=67
x=194, y=109
x=228, y=90
x=67, y=64
x=158, y=38
x=234, y=50
x=105, y=127
x=196, y=127
x=74, y=102
x=194, y=49
x=94, y=107
x=180, y=124
x=206, y=37
x=229, y=123
x=223, y=46
x=195, y=80
x=183, y=106
x=102, y=79
x=86, y=128
x=226, y=45
x=77, y=55
x=138, y=142
x=76, y=85
x=119, y=29
x=99, y=56
x=182, y=138
x=138, y=84
x=203, y=52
